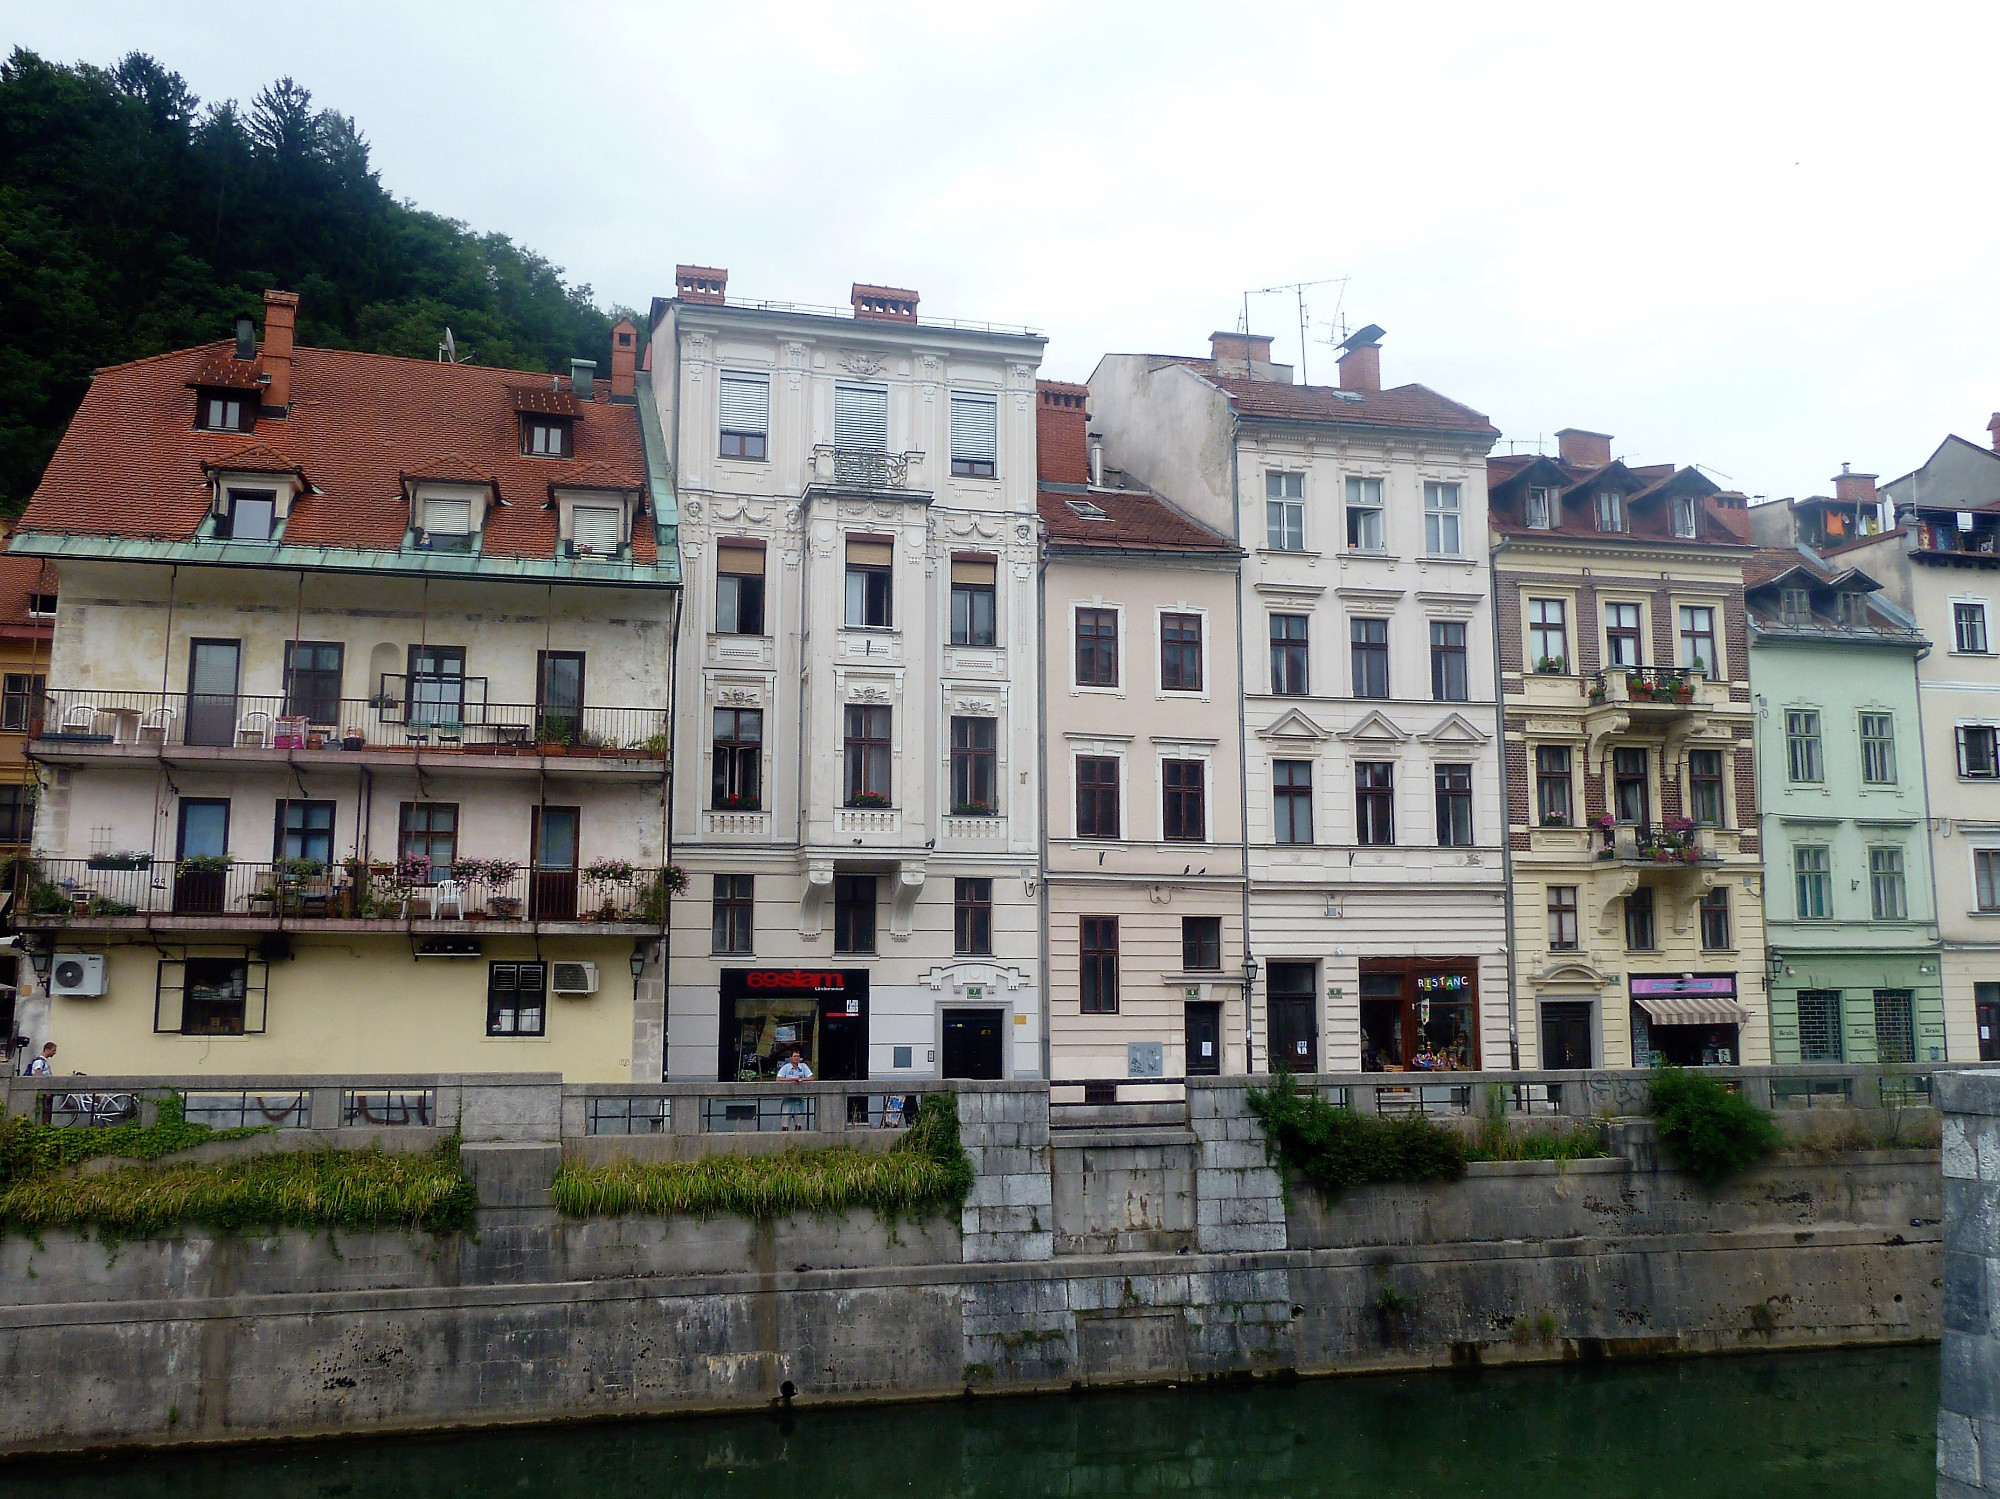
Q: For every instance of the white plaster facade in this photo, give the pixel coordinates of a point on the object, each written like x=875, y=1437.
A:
x=1210, y=435
x=803, y=505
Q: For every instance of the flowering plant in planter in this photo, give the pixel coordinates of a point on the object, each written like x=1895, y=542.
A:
x=204, y=864
x=411, y=869
x=737, y=801
x=972, y=809
x=611, y=871
x=868, y=799
x=1552, y=666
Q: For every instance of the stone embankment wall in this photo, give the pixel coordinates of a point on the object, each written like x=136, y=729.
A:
x=1968, y=1442
x=1165, y=1250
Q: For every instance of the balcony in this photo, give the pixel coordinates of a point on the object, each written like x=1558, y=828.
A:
x=1671, y=848
x=862, y=821
x=867, y=470
x=736, y=822
x=1654, y=692
x=114, y=892
x=1941, y=540
x=84, y=726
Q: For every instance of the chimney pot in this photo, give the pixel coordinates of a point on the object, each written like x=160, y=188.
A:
x=281, y=310
x=1361, y=359
x=701, y=283
x=624, y=354
x=889, y=304
x=1062, y=419
x=583, y=378
x=246, y=339
x=1583, y=449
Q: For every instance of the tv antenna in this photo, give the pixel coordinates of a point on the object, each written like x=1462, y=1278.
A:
x=1299, y=289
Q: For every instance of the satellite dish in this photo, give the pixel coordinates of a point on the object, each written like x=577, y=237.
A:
x=449, y=348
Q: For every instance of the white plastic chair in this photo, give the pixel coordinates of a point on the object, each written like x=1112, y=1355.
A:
x=254, y=727
x=157, y=721
x=79, y=716
x=448, y=893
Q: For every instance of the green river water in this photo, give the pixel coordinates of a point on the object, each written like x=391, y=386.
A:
x=1823, y=1425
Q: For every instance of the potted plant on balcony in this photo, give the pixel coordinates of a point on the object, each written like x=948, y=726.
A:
x=868, y=799
x=353, y=739
x=1607, y=827
x=1551, y=666
x=1554, y=820
x=200, y=884
x=134, y=858
x=737, y=801
x=974, y=809
x=1638, y=687
x=610, y=876
x=1598, y=692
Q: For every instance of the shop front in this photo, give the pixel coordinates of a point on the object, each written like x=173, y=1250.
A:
x=1419, y=1014
x=768, y=1013
x=1686, y=1020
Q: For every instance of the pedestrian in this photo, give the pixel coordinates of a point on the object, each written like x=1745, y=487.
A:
x=44, y=1064
x=793, y=1070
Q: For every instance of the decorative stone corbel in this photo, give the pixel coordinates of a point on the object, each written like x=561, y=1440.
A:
x=812, y=904
x=903, y=903
x=1607, y=918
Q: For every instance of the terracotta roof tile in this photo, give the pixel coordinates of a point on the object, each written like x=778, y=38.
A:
x=252, y=458
x=1413, y=406
x=449, y=468
x=545, y=400
x=132, y=462
x=224, y=371
x=1134, y=520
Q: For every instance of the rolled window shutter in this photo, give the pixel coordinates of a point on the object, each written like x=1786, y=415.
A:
x=972, y=570
x=746, y=403
x=739, y=561
x=871, y=553
x=448, y=517
x=861, y=418
x=975, y=428
x=598, y=527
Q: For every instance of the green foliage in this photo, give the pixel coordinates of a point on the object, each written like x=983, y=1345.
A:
x=1709, y=1130
x=29, y=1149
x=1336, y=1148
x=1580, y=1142
x=925, y=1173
x=350, y=1189
x=134, y=220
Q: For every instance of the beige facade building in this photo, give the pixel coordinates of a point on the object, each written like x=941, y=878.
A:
x=1374, y=821
x=355, y=737
x=859, y=804
x=1624, y=659
x=1144, y=895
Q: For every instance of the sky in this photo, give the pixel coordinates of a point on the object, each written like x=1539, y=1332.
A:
x=1758, y=237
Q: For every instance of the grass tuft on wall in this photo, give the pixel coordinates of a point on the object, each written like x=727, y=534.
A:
x=345, y=1189
x=925, y=1173
x=29, y=1148
x=1336, y=1148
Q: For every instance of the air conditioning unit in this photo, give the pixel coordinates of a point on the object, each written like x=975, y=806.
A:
x=573, y=978
x=77, y=975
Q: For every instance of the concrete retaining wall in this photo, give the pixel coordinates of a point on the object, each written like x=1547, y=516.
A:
x=1088, y=1256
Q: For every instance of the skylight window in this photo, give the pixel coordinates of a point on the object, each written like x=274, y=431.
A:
x=1086, y=510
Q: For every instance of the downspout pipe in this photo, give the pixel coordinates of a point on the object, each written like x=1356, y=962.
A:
x=1242, y=738
x=1506, y=817
x=1930, y=840
x=1042, y=775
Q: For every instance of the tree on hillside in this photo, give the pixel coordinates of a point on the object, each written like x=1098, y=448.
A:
x=134, y=220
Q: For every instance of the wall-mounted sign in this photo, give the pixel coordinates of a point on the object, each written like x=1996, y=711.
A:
x=1444, y=983
x=1675, y=983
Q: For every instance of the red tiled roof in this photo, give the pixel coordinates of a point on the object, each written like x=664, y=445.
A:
x=448, y=468
x=1771, y=563
x=224, y=371
x=1134, y=521
x=1414, y=406
x=545, y=400
x=1646, y=519
x=253, y=458
x=19, y=577
x=132, y=462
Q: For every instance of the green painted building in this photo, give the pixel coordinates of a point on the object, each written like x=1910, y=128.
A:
x=1850, y=908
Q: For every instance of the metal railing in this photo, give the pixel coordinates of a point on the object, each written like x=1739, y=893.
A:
x=458, y=721
x=1660, y=686
x=109, y=887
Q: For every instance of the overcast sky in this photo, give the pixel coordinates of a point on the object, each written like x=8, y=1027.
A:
x=1757, y=237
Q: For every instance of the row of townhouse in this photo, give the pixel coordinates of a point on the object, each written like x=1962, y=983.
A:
x=826, y=682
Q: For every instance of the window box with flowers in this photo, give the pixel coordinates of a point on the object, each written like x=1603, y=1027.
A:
x=738, y=801
x=974, y=809
x=1551, y=666
x=873, y=799
x=1607, y=828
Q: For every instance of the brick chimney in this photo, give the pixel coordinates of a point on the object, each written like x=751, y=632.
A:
x=1993, y=428
x=624, y=354
x=1583, y=449
x=281, y=310
x=700, y=283
x=1854, y=488
x=1239, y=348
x=1062, y=443
x=887, y=304
x=1361, y=360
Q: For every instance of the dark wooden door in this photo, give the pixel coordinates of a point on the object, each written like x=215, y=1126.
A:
x=1204, y=1039
x=552, y=891
x=972, y=1044
x=212, y=677
x=1565, y=1036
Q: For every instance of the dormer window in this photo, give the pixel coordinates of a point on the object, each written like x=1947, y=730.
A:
x=1684, y=517
x=248, y=515
x=1854, y=610
x=545, y=437
x=1544, y=509
x=1610, y=510
x=594, y=522
x=598, y=529
x=447, y=525
x=217, y=411
x=1794, y=605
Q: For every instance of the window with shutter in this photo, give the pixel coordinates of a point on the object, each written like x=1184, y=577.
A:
x=975, y=435
x=597, y=528
x=746, y=415
x=861, y=418
x=448, y=517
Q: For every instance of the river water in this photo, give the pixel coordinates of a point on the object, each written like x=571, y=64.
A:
x=1821, y=1425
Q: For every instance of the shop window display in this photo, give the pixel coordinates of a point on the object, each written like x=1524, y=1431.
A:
x=1419, y=1018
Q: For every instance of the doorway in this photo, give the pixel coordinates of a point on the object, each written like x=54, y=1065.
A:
x=1204, y=1040
x=559, y=697
x=552, y=893
x=1294, y=1017
x=201, y=872
x=1566, y=1036
x=213, y=666
x=1986, y=999
x=972, y=1044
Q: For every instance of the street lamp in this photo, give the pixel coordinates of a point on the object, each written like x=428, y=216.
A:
x=638, y=957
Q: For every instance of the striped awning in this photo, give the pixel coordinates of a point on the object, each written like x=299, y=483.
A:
x=1702, y=1010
